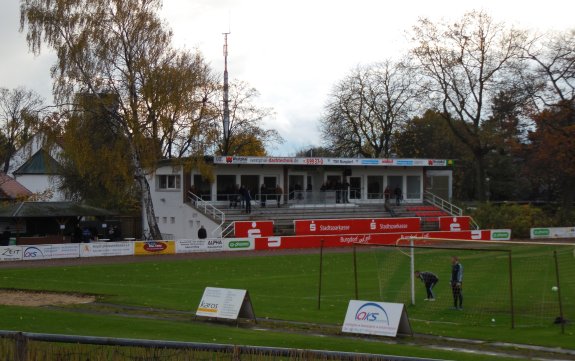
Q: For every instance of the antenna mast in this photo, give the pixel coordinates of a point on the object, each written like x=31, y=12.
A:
x=226, y=95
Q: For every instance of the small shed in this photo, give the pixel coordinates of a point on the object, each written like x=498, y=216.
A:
x=48, y=222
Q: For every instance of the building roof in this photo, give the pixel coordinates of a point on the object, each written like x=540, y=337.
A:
x=50, y=209
x=12, y=189
x=40, y=163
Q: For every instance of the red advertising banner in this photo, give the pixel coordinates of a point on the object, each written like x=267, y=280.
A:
x=454, y=224
x=253, y=229
x=315, y=241
x=356, y=226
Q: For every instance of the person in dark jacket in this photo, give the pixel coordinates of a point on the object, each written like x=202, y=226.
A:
x=202, y=233
x=457, y=283
x=430, y=280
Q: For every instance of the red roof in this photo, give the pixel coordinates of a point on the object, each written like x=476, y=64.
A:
x=11, y=189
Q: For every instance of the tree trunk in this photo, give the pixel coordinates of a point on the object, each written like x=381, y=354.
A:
x=480, y=189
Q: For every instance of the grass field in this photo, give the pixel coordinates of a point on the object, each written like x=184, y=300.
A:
x=285, y=287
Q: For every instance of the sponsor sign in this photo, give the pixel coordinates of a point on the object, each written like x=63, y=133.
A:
x=50, y=251
x=376, y=318
x=356, y=226
x=214, y=245
x=225, y=303
x=253, y=228
x=330, y=161
x=554, y=232
x=11, y=253
x=454, y=224
x=154, y=247
x=346, y=240
x=500, y=234
x=102, y=249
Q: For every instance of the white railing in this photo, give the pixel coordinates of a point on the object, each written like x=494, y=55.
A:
x=209, y=210
x=447, y=207
x=443, y=204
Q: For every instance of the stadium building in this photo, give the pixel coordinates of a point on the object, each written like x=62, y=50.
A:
x=183, y=201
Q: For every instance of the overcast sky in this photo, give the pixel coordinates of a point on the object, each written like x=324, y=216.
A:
x=293, y=52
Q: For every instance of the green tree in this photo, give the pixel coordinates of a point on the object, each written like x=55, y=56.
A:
x=96, y=167
x=117, y=47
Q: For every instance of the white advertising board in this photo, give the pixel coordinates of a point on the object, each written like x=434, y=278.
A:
x=376, y=318
x=50, y=251
x=214, y=245
x=225, y=303
x=11, y=253
x=100, y=249
x=553, y=232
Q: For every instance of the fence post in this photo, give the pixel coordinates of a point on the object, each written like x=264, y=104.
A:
x=21, y=347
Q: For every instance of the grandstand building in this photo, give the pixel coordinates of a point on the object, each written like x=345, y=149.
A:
x=185, y=200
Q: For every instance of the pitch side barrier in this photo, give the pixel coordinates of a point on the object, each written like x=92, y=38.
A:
x=128, y=248
x=143, y=248
x=345, y=240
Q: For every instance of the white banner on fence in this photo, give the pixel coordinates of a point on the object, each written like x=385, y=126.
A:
x=214, y=245
x=376, y=318
x=11, y=253
x=555, y=232
x=100, y=249
x=50, y=251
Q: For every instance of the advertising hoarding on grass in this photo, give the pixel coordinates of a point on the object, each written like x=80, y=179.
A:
x=376, y=318
x=226, y=303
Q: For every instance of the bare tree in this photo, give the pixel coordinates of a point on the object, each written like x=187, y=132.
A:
x=19, y=118
x=367, y=107
x=549, y=73
x=467, y=63
x=246, y=133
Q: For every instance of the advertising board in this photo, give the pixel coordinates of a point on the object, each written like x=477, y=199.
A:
x=253, y=228
x=214, y=245
x=102, y=249
x=552, y=232
x=225, y=303
x=346, y=240
x=376, y=318
x=146, y=248
x=11, y=253
x=356, y=225
x=50, y=251
x=454, y=224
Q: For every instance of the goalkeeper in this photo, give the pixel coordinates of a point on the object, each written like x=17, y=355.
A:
x=430, y=280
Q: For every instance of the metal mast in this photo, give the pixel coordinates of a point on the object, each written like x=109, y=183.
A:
x=226, y=95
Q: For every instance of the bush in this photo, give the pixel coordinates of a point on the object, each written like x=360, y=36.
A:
x=520, y=218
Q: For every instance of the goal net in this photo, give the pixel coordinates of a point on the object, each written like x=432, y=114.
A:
x=517, y=285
